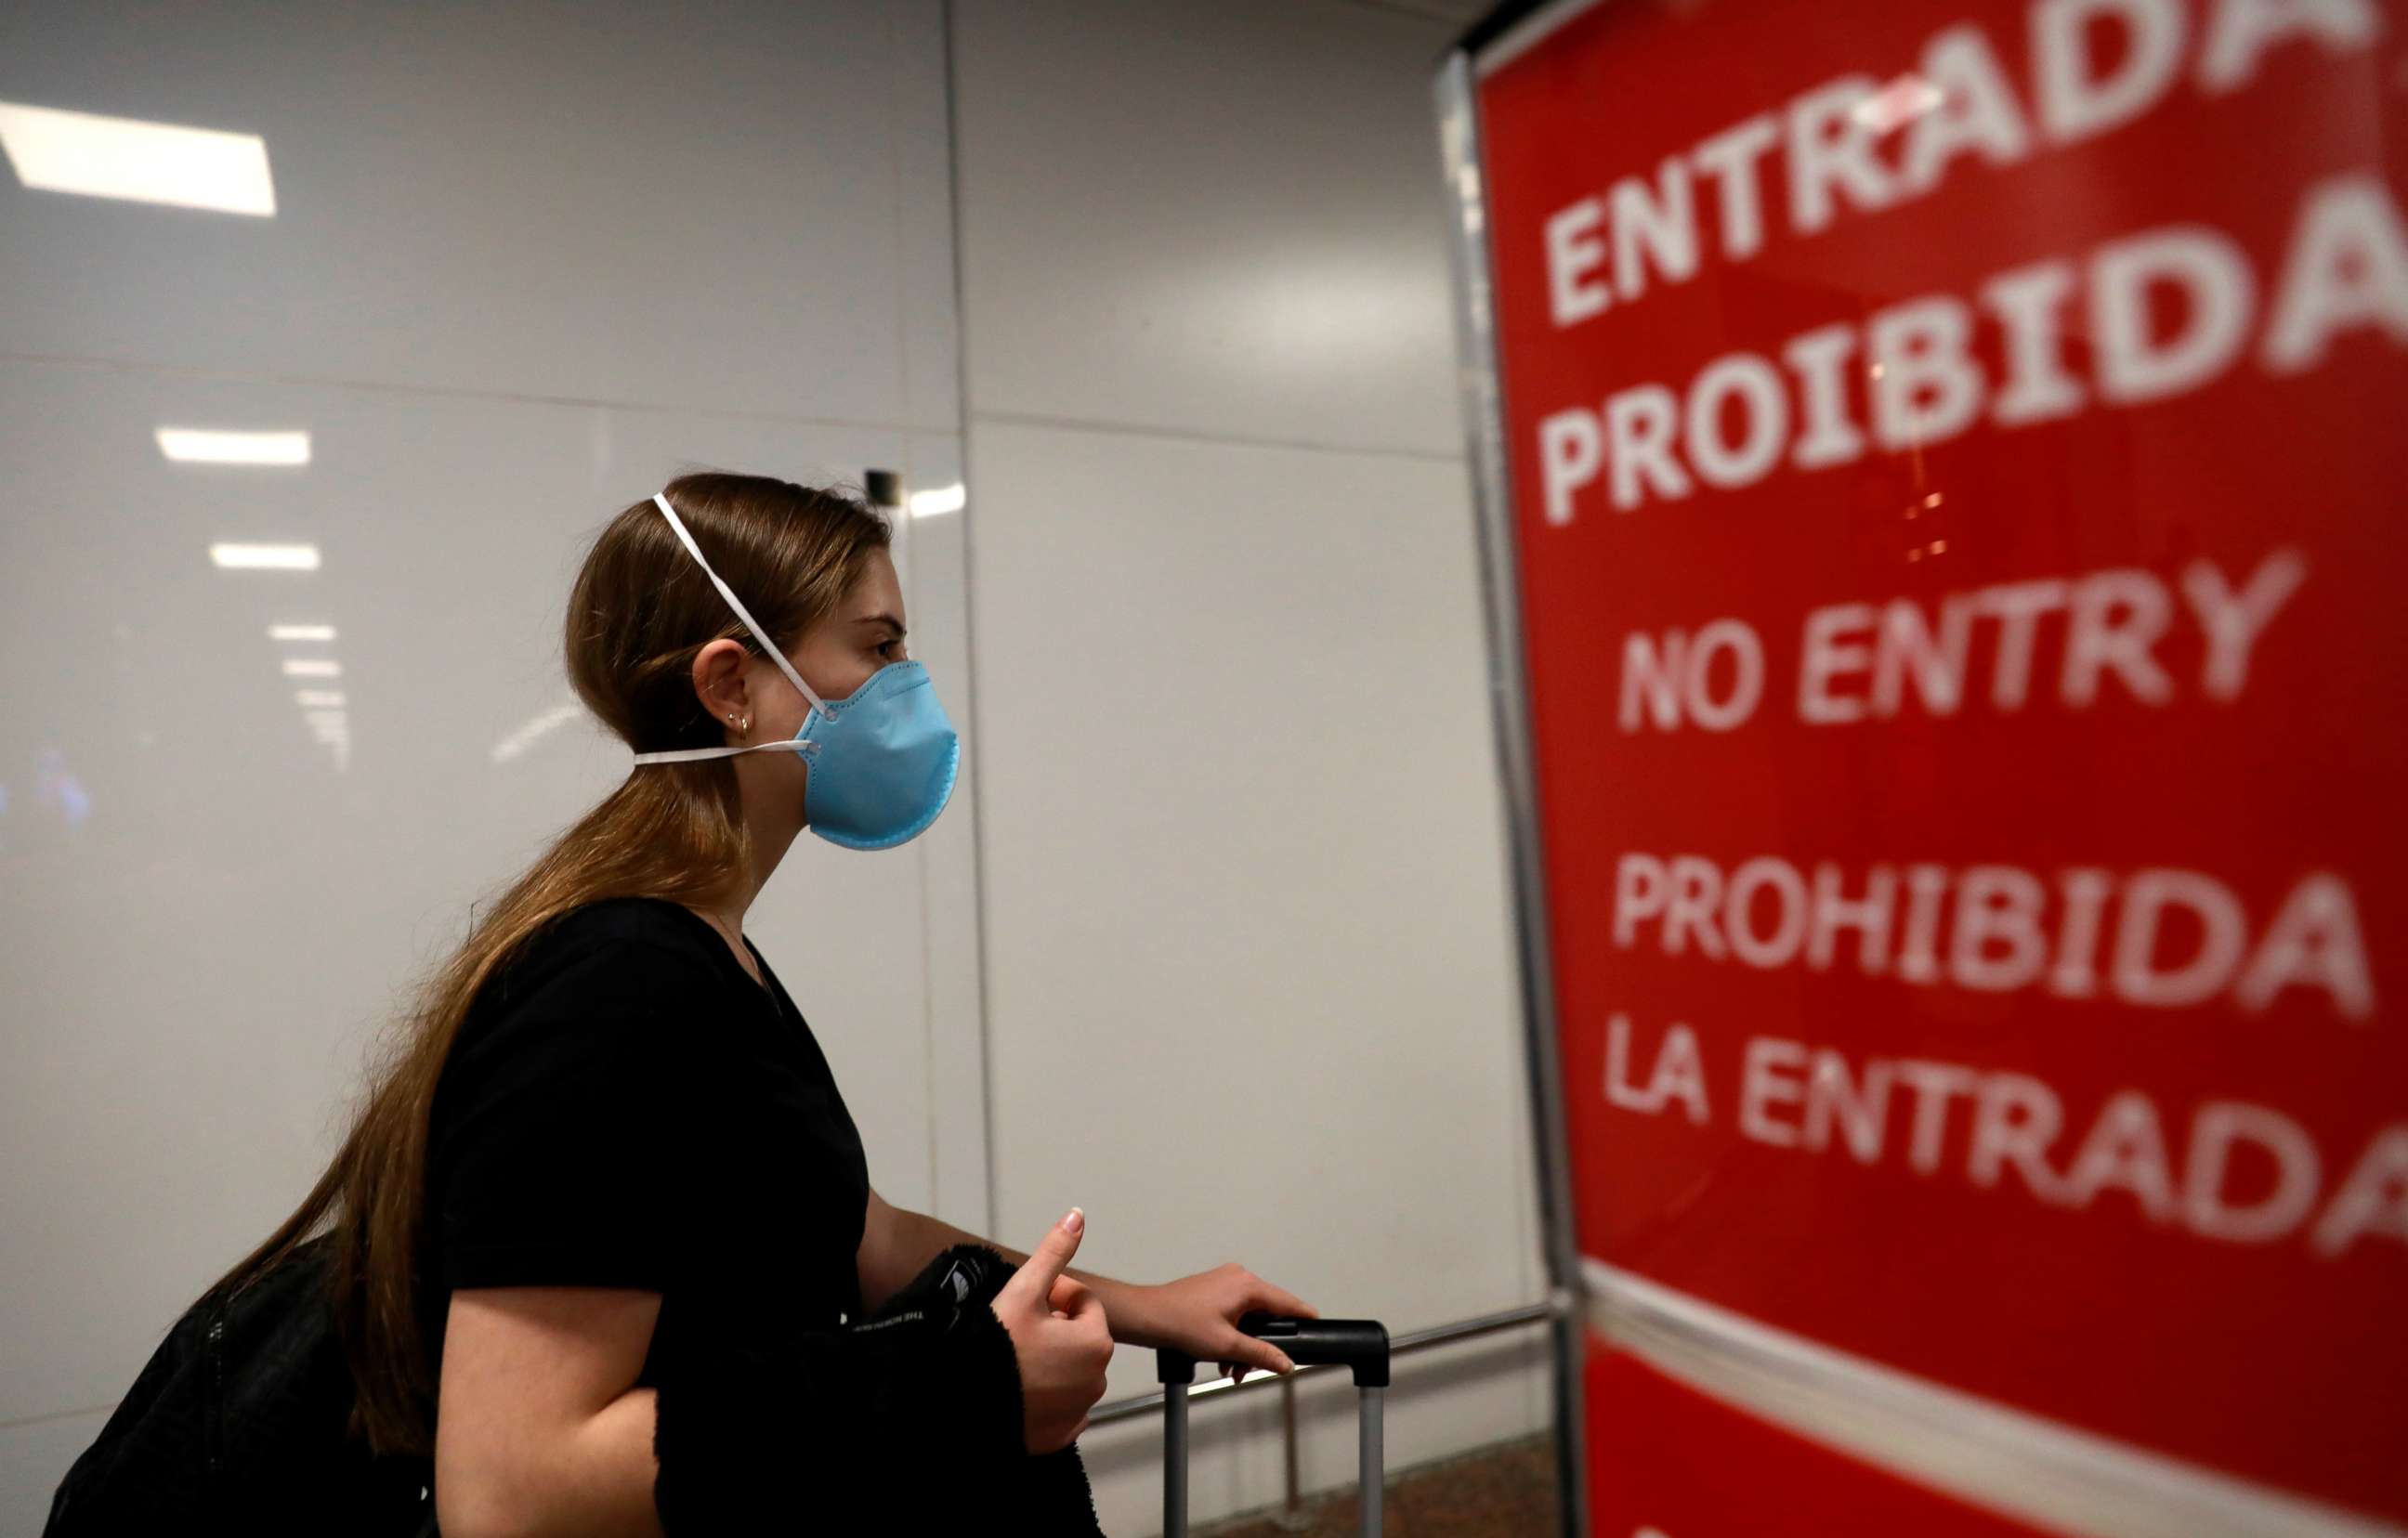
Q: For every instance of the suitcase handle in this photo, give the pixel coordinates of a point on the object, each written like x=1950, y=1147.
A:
x=1361, y=1345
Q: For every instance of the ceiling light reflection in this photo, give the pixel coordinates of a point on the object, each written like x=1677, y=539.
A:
x=535, y=731
x=214, y=446
x=1896, y=104
x=55, y=151
x=296, y=558
x=940, y=499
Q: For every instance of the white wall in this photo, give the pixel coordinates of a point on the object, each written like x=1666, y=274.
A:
x=526, y=263
x=1250, y=984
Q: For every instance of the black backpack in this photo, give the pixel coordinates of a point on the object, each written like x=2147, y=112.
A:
x=237, y=1424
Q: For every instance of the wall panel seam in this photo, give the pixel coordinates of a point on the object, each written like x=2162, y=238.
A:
x=1151, y=430
x=179, y=371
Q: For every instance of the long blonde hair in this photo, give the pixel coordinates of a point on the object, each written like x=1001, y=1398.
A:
x=639, y=611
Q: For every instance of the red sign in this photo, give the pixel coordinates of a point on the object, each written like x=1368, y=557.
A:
x=1961, y=497
x=1676, y=1464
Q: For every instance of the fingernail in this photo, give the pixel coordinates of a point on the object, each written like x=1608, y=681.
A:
x=1286, y=1365
x=1074, y=1220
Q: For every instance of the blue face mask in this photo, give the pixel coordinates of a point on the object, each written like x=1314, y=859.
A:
x=883, y=758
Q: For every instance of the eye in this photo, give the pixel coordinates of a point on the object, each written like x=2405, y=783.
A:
x=892, y=641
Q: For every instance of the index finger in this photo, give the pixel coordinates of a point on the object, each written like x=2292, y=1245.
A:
x=1066, y=1292
x=1280, y=1301
x=1245, y=1352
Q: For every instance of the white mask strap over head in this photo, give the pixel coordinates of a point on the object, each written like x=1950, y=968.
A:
x=661, y=500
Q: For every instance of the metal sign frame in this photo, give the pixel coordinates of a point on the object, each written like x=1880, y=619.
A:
x=1480, y=378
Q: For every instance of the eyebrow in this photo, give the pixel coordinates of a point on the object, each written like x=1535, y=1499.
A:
x=881, y=619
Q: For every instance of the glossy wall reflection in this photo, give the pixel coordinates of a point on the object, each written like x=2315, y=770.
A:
x=328, y=342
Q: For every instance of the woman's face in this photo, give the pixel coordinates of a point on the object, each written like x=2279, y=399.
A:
x=836, y=656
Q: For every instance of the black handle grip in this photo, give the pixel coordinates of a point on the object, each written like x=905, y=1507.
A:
x=1360, y=1345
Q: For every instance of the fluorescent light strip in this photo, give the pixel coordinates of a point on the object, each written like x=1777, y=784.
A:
x=213, y=446
x=319, y=697
x=1896, y=104
x=942, y=498
x=55, y=151
x=312, y=667
x=535, y=730
x=292, y=557
x=300, y=633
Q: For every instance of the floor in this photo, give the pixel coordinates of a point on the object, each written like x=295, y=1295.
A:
x=1506, y=1489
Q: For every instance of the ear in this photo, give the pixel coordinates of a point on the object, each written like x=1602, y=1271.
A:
x=719, y=683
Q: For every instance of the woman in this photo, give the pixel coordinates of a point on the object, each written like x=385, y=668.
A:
x=605, y=1239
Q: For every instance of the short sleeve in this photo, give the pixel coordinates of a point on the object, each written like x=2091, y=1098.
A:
x=566, y=1152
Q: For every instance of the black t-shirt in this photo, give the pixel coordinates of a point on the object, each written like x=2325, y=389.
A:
x=625, y=1106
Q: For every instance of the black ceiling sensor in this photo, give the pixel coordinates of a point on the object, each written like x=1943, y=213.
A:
x=885, y=487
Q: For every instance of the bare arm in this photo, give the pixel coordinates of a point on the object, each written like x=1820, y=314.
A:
x=538, y=1429
x=896, y=1241
x=1197, y=1313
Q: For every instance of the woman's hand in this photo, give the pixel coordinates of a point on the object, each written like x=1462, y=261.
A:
x=1198, y=1315
x=1059, y=1337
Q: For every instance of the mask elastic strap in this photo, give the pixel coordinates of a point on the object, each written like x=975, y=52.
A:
x=662, y=502
x=687, y=755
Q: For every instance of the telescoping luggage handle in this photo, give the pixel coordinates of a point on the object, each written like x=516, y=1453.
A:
x=1361, y=1345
